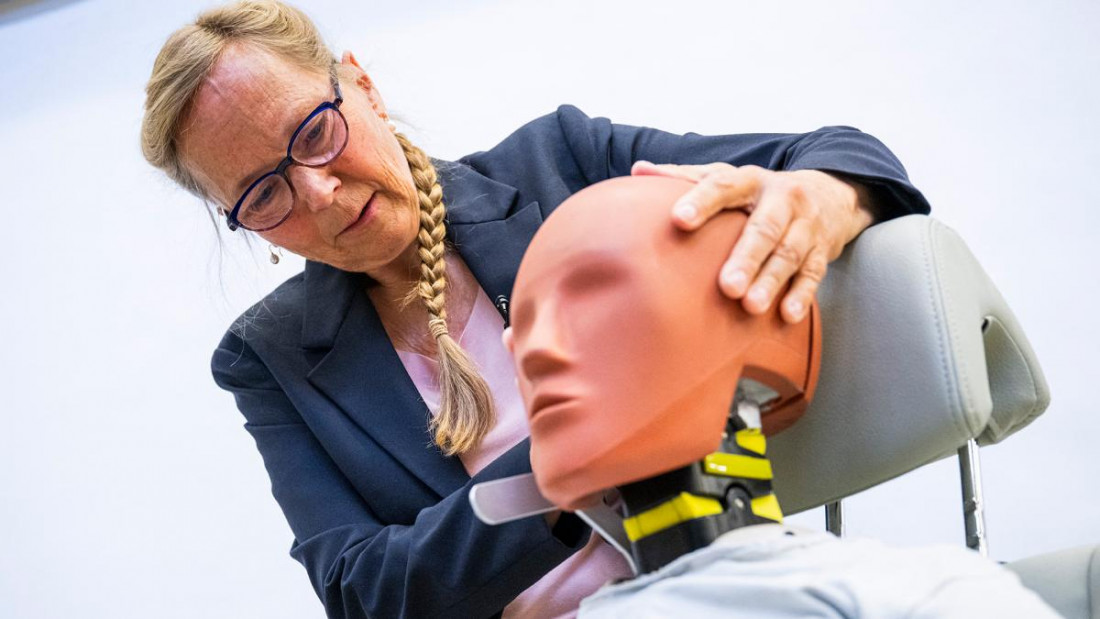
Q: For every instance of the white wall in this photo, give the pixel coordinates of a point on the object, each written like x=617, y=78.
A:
x=128, y=487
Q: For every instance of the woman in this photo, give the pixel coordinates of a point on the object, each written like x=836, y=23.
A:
x=375, y=415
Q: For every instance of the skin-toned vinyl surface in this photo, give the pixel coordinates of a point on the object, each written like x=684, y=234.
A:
x=628, y=354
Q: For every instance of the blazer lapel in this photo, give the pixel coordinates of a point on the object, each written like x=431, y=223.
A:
x=490, y=227
x=362, y=373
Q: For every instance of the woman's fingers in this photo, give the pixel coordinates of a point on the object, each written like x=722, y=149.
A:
x=721, y=188
x=766, y=227
x=779, y=266
x=648, y=168
x=786, y=239
x=718, y=186
x=797, y=301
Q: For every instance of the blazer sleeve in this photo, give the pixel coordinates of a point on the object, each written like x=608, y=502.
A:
x=446, y=563
x=581, y=150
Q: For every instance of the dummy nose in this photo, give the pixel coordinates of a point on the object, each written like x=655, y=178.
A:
x=544, y=350
x=315, y=188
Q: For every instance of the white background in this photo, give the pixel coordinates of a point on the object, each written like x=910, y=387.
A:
x=128, y=487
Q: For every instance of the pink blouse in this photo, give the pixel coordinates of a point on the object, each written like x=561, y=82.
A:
x=560, y=591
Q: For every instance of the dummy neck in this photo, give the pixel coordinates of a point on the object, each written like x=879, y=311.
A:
x=678, y=512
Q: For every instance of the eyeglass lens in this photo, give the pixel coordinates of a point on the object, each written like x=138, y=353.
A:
x=267, y=203
x=318, y=142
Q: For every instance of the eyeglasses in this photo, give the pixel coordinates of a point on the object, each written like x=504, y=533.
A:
x=316, y=142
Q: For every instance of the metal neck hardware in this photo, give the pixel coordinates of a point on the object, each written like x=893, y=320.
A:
x=675, y=513
x=681, y=511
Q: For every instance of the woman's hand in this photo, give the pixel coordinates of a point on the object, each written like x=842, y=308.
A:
x=798, y=222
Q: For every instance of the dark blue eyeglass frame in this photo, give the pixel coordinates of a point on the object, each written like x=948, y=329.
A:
x=280, y=170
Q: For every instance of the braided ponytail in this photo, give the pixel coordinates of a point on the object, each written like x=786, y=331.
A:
x=466, y=411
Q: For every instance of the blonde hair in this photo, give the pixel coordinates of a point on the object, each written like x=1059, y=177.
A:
x=466, y=411
x=183, y=64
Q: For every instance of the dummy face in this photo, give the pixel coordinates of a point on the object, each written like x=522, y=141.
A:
x=627, y=353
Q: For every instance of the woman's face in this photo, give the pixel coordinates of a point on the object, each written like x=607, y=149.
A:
x=238, y=129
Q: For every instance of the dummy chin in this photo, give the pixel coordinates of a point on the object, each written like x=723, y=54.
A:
x=628, y=354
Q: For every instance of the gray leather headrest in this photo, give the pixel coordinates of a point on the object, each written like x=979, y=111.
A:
x=920, y=354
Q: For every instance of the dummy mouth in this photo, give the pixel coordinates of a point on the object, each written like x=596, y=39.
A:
x=544, y=401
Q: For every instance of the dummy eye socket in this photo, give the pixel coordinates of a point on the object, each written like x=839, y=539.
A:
x=593, y=277
x=588, y=280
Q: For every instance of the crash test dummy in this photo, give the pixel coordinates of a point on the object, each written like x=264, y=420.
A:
x=649, y=395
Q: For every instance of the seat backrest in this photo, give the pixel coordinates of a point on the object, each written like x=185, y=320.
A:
x=1068, y=580
x=920, y=354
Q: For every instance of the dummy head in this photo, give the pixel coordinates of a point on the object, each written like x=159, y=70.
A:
x=628, y=354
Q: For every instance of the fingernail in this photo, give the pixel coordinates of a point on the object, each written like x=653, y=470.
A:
x=758, y=295
x=735, y=280
x=794, y=308
x=686, y=211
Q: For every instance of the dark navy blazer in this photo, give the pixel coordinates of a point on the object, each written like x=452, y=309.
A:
x=380, y=518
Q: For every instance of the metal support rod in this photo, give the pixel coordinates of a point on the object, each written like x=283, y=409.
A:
x=834, y=518
x=970, y=470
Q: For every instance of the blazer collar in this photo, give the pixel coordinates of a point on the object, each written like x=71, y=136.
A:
x=362, y=373
x=483, y=223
